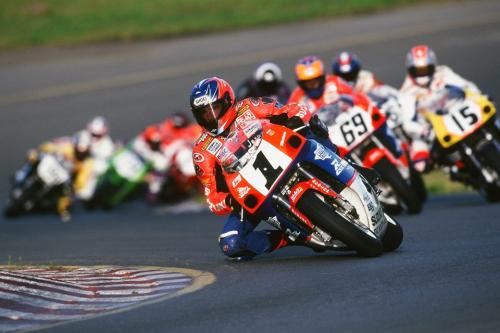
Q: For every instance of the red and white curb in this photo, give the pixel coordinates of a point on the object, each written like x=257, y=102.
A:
x=31, y=298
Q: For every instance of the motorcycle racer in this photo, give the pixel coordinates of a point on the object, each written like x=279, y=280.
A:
x=102, y=145
x=424, y=78
x=267, y=81
x=396, y=104
x=178, y=135
x=315, y=88
x=214, y=108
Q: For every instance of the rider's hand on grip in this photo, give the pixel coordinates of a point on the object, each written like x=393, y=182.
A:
x=318, y=127
x=294, y=123
x=232, y=203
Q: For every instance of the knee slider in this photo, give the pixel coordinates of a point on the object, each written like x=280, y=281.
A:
x=230, y=245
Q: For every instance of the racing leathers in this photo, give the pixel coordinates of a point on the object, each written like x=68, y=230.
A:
x=416, y=93
x=238, y=238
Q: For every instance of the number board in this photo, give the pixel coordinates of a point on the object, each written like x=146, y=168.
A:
x=462, y=118
x=51, y=171
x=351, y=128
x=265, y=168
x=128, y=165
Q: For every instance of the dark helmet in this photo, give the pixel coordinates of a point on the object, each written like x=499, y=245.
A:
x=347, y=65
x=212, y=103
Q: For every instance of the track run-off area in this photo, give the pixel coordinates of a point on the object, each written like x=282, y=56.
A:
x=443, y=278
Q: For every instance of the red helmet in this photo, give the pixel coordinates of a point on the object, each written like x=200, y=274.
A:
x=310, y=76
x=421, y=64
x=212, y=103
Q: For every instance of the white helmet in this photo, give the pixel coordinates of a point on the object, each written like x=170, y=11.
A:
x=268, y=72
x=421, y=62
x=98, y=127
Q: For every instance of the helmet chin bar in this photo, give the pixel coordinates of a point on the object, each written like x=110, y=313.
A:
x=423, y=80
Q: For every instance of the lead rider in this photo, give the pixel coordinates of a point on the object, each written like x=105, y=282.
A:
x=214, y=108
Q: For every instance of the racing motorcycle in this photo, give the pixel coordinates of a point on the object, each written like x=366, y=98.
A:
x=466, y=142
x=179, y=181
x=37, y=186
x=353, y=130
x=301, y=187
x=125, y=175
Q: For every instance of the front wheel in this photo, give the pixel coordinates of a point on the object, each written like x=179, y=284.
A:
x=390, y=174
x=358, y=238
x=393, y=235
x=491, y=157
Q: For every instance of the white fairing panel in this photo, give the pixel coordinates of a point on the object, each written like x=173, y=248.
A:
x=51, y=171
x=128, y=165
x=366, y=205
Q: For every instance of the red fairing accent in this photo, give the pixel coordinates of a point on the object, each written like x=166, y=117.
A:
x=375, y=155
x=302, y=217
x=207, y=146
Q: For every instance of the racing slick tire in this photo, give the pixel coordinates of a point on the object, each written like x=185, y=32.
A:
x=403, y=190
x=360, y=239
x=491, y=157
x=393, y=235
x=417, y=183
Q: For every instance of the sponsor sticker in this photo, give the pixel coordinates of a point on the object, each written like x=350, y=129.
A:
x=339, y=166
x=202, y=100
x=214, y=146
x=295, y=193
x=245, y=116
x=198, y=158
x=242, y=191
x=320, y=153
x=223, y=154
x=236, y=181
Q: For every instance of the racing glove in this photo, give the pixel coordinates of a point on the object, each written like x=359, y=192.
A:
x=318, y=127
x=294, y=122
x=231, y=202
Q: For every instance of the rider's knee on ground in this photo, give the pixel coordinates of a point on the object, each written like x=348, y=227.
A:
x=232, y=247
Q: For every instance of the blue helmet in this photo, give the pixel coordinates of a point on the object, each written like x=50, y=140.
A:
x=212, y=102
x=347, y=65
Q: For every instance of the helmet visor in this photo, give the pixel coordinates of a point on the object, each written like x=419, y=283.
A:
x=208, y=115
x=421, y=71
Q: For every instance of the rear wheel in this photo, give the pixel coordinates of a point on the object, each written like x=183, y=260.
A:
x=360, y=239
x=403, y=190
x=417, y=182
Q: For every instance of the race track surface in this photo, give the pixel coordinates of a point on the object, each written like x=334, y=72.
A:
x=443, y=278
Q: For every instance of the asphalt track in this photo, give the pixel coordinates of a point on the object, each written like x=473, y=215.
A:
x=443, y=278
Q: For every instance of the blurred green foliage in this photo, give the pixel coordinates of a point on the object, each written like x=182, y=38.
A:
x=56, y=22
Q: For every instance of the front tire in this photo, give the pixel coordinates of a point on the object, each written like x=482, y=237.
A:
x=363, y=241
x=403, y=190
x=491, y=157
x=393, y=235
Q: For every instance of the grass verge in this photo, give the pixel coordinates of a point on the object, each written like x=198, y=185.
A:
x=61, y=22
x=439, y=182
